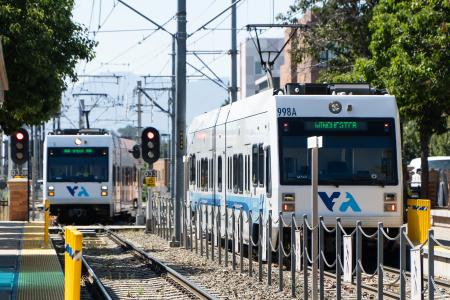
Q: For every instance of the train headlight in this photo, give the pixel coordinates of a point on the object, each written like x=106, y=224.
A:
x=390, y=197
x=390, y=207
x=288, y=203
x=51, y=191
x=78, y=141
x=104, y=190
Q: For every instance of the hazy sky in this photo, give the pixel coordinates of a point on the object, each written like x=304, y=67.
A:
x=127, y=43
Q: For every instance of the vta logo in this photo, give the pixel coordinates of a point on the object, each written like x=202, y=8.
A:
x=349, y=203
x=81, y=193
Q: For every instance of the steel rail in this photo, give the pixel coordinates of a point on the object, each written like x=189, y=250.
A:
x=445, y=284
x=372, y=289
x=162, y=268
x=96, y=282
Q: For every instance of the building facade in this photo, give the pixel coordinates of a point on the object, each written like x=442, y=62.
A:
x=252, y=76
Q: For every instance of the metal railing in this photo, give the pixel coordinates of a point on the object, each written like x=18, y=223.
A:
x=218, y=233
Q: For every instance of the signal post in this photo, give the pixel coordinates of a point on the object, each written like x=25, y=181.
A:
x=18, y=187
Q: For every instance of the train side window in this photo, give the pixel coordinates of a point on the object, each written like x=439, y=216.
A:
x=193, y=169
x=245, y=172
x=268, y=173
x=211, y=174
x=261, y=165
x=235, y=173
x=204, y=174
x=240, y=173
x=255, y=165
x=228, y=173
x=219, y=174
x=248, y=173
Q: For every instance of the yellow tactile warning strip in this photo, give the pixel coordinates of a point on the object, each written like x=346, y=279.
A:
x=40, y=274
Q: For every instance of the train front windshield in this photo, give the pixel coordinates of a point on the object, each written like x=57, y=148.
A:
x=77, y=164
x=355, y=151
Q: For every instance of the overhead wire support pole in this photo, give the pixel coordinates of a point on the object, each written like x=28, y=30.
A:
x=180, y=114
x=233, y=52
x=159, y=27
x=214, y=18
x=206, y=66
x=173, y=144
x=209, y=77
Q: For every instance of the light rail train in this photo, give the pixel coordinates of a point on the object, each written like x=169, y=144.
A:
x=89, y=175
x=252, y=154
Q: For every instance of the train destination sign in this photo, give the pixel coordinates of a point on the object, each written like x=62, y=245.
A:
x=336, y=125
x=72, y=151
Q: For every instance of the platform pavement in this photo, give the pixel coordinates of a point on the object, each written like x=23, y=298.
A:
x=28, y=269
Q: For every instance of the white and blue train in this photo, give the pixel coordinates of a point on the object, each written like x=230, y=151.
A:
x=89, y=175
x=252, y=154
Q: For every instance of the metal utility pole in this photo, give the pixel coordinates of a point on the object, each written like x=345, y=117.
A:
x=80, y=116
x=140, y=218
x=139, y=111
x=314, y=143
x=34, y=171
x=173, y=139
x=233, y=89
x=180, y=114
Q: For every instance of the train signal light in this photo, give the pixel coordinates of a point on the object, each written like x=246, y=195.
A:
x=150, y=145
x=136, y=152
x=19, y=146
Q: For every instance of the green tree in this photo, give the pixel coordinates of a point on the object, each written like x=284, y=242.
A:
x=339, y=27
x=129, y=132
x=41, y=47
x=410, y=50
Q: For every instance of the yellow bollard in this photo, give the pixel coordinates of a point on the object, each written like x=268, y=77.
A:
x=72, y=279
x=76, y=264
x=419, y=221
x=67, y=262
x=46, y=221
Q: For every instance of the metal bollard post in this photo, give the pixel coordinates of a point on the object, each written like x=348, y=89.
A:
x=196, y=228
x=293, y=293
x=212, y=232
x=280, y=251
x=250, y=243
x=46, y=221
x=305, y=258
x=226, y=236
x=431, y=286
x=358, y=261
x=269, y=249
x=380, y=241
x=260, y=241
x=207, y=233
x=233, y=238
x=201, y=229
x=402, y=263
x=338, y=258
x=241, y=239
x=219, y=234
x=321, y=263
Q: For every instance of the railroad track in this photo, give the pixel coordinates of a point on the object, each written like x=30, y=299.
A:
x=114, y=268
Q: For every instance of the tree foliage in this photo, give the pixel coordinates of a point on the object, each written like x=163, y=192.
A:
x=410, y=50
x=41, y=47
x=339, y=27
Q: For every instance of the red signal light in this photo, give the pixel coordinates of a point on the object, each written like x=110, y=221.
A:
x=150, y=135
x=19, y=136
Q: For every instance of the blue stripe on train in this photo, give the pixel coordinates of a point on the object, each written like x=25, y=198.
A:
x=247, y=203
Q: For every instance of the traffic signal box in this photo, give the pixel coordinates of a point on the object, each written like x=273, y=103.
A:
x=150, y=144
x=19, y=146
